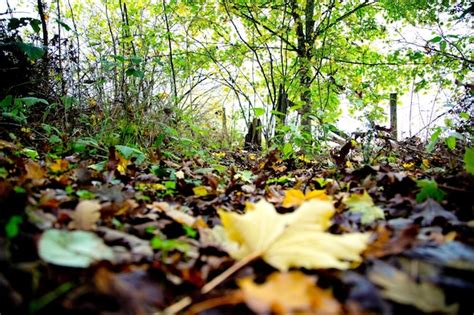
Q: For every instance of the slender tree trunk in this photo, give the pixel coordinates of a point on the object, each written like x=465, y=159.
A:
x=170, y=48
x=45, y=39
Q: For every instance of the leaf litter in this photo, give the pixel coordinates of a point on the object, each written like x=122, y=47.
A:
x=298, y=236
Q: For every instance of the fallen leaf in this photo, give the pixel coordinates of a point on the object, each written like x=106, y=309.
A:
x=295, y=197
x=73, y=248
x=134, y=291
x=430, y=211
x=122, y=164
x=401, y=288
x=365, y=205
x=139, y=248
x=86, y=214
x=179, y=175
x=200, y=191
x=34, y=171
x=299, y=292
x=59, y=166
x=293, y=239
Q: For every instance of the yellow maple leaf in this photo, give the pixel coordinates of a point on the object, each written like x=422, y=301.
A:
x=295, y=197
x=299, y=290
x=294, y=239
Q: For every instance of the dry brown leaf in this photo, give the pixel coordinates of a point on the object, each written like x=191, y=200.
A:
x=34, y=170
x=288, y=293
x=86, y=214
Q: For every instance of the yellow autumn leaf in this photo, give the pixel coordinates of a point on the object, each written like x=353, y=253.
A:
x=295, y=239
x=295, y=197
x=200, y=191
x=59, y=166
x=364, y=205
x=299, y=290
x=122, y=164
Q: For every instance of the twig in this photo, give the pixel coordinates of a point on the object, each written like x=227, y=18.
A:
x=226, y=274
x=177, y=307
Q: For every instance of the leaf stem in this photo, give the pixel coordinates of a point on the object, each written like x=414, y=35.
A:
x=226, y=274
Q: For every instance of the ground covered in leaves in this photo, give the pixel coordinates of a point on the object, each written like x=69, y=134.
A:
x=237, y=233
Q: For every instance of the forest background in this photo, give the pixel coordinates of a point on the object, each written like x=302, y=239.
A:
x=199, y=73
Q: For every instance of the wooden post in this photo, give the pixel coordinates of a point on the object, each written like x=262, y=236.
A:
x=393, y=115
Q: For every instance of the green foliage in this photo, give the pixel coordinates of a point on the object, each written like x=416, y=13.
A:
x=167, y=245
x=129, y=153
x=429, y=189
x=12, y=228
x=469, y=160
x=17, y=108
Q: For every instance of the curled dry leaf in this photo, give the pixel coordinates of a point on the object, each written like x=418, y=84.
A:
x=288, y=293
x=293, y=239
x=86, y=215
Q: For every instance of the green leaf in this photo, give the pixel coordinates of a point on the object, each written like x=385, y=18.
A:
x=73, y=248
x=128, y=153
x=435, y=39
x=30, y=101
x=451, y=142
x=167, y=245
x=287, y=150
x=12, y=228
x=442, y=45
x=32, y=154
x=258, y=111
x=3, y=173
x=35, y=25
x=429, y=189
x=190, y=232
x=469, y=160
x=136, y=60
x=85, y=194
x=99, y=167
x=33, y=52
x=365, y=205
x=67, y=27
x=132, y=72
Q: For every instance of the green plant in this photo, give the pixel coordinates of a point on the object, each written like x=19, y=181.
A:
x=429, y=189
x=17, y=108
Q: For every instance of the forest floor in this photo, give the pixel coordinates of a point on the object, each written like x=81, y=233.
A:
x=117, y=235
